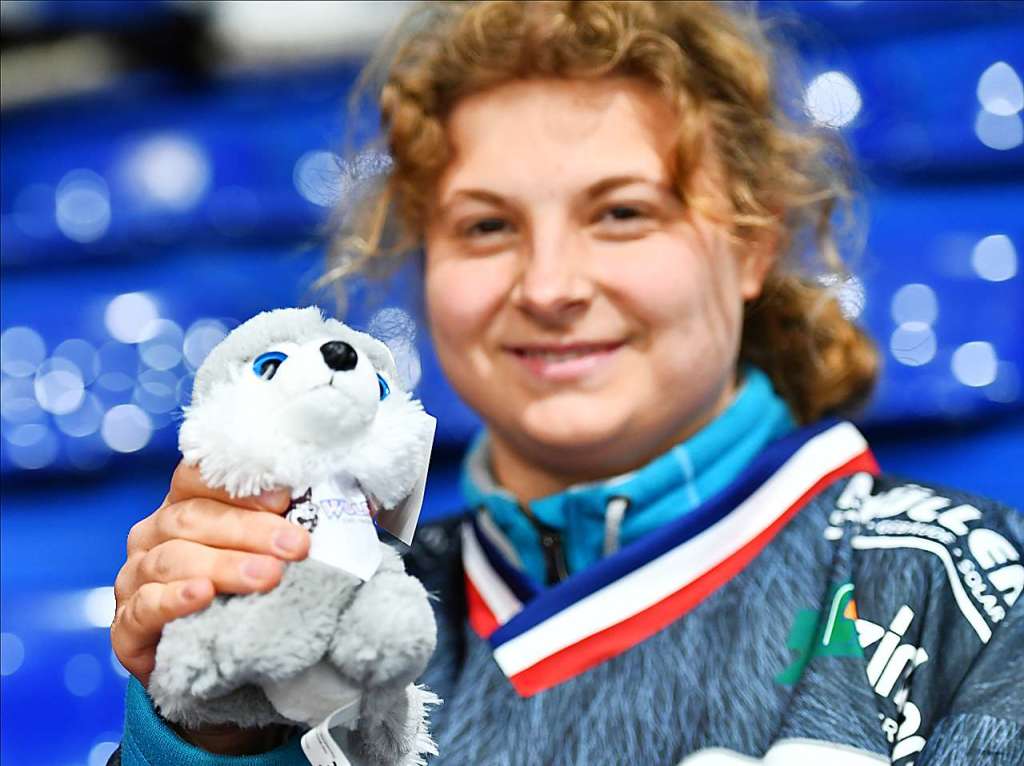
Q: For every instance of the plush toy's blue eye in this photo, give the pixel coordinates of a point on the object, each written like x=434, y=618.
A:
x=266, y=364
x=384, y=388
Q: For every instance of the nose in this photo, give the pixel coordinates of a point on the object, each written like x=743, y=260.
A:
x=553, y=285
x=339, y=355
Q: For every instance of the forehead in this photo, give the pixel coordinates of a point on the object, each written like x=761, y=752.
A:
x=551, y=135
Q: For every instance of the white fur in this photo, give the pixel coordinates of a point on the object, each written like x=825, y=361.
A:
x=248, y=435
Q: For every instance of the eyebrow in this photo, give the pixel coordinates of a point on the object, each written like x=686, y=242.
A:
x=596, y=189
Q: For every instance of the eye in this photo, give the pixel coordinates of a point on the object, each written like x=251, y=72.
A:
x=385, y=389
x=266, y=364
x=623, y=212
x=486, y=226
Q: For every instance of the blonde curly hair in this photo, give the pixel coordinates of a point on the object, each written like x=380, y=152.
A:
x=783, y=180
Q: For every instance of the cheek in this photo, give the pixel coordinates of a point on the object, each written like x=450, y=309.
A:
x=463, y=297
x=685, y=298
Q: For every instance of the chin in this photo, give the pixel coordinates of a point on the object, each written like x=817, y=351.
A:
x=578, y=426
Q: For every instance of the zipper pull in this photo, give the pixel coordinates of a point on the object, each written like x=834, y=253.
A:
x=557, y=569
x=554, y=555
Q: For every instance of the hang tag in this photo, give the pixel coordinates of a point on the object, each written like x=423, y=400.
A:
x=401, y=521
x=338, y=519
x=318, y=744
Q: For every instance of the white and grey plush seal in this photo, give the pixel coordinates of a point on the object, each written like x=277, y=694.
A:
x=289, y=399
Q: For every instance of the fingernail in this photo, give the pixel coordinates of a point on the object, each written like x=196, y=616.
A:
x=288, y=541
x=274, y=499
x=258, y=569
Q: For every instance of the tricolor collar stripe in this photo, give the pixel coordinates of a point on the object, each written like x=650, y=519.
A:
x=591, y=650
x=500, y=601
x=626, y=597
x=511, y=576
x=683, y=564
x=634, y=556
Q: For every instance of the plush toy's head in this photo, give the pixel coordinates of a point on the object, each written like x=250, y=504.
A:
x=289, y=398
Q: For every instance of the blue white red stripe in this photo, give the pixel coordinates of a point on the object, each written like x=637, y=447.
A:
x=542, y=639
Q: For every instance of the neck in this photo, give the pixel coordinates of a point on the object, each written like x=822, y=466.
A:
x=530, y=472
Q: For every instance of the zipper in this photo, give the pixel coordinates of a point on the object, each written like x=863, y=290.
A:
x=556, y=567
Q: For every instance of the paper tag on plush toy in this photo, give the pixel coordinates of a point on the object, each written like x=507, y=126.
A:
x=340, y=526
x=318, y=744
x=401, y=521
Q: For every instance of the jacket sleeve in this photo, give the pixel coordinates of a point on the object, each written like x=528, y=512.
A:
x=939, y=575
x=985, y=722
x=149, y=741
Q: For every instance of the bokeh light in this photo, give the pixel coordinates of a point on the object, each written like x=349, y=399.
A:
x=98, y=606
x=156, y=391
x=31, y=445
x=162, y=348
x=82, y=355
x=200, y=338
x=1000, y=132
x=832, y=99
x=130, y=316
x=82, y=675
x=126, y=428
x=1000, y=90
x=83, y=206
x=975, y=364
x=994, y=258
x=58, y=386
x=21, y=351
x=18, y=401
x=83, y=420
x=849, y=292
x=119, y=363
x=913, y=344
x=317, y=177
x=915, y=303
x=170, y=170
x=12, y=653
x=101, y=752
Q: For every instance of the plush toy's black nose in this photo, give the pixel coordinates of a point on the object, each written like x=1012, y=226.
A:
x=339, y=355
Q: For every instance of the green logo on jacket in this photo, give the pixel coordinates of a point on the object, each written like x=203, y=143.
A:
x=828, y=633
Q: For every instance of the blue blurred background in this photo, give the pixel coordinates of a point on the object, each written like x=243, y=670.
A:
x=167, y=168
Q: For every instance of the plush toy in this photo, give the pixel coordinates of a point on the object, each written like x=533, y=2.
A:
x=289, y=399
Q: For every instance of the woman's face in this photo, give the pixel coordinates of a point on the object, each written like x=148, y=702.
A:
x=586, y=315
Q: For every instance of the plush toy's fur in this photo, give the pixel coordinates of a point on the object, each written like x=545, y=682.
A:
x=320, y=628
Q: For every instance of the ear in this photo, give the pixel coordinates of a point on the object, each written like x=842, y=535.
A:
x=756, y=259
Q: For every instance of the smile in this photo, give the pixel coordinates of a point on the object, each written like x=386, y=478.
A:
x=564, y=362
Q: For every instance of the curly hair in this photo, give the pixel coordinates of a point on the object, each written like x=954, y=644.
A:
x=783, y=179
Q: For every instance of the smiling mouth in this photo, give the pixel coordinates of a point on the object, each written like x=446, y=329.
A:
x=563, y=352
x=565, y=362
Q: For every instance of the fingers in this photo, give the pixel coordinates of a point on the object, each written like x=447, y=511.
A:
x=187, y=483
x=220, y=525
x=176, y=560
x=140, y=621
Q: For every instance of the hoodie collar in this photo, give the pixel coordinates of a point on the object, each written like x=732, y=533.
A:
x=565, y=532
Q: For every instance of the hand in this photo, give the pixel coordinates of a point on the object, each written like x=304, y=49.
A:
x=198, y=543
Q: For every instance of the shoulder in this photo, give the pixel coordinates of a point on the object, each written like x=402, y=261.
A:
x=435, y=556
x=936, y=574
x=968, y=535
x=939, y=551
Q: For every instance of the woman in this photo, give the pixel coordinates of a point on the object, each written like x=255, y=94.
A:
x=672, y=556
